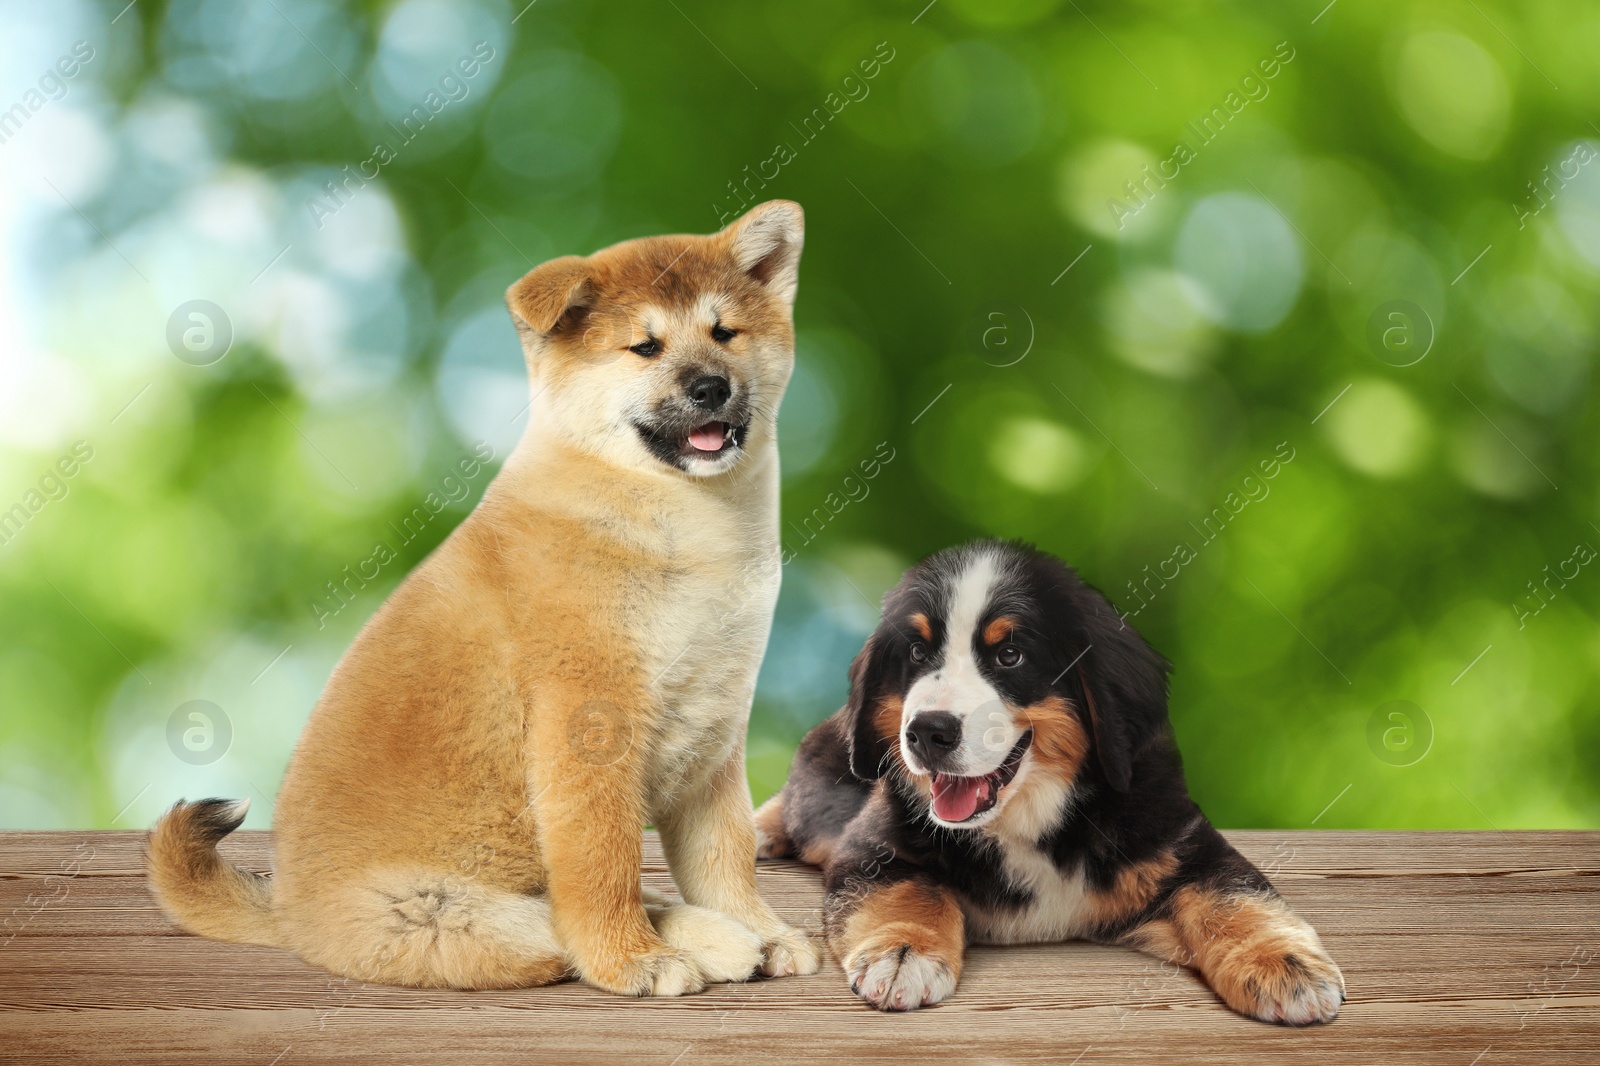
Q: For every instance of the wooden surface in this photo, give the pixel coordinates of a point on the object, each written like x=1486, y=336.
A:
x=1469, y=948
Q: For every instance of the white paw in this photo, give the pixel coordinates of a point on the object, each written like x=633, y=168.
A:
x=789, y=953
x=894, y=977
x=720, y=948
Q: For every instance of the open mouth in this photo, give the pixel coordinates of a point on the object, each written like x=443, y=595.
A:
x=708, y=442
x=961, y=799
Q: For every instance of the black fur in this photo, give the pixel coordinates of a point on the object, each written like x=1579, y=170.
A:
x=869, y=753
x=216, y=818
x=1076, y=646
x=849, y=796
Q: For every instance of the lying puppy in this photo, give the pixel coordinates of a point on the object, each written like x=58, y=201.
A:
x=1004, y=773
x=577, y=659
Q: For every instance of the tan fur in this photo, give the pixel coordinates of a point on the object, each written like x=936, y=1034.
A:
x=1060, y=743
x=1261, y=958
x=999, y=629
x=902, y=945
x=886, y=722
x=926, y=920
x=238, y=904
x=1135, y=886
x=772, y=838
x=575, y=660
x=774, y=842
x=1032, y=802
x=819, y=852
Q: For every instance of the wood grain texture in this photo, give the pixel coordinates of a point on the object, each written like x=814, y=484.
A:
x=1457, y=947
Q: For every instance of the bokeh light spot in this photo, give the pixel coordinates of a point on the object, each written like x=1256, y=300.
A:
x=1453, y=94
x=1091, y=190
x=1038, y=455
x=1157, y=323
x=1245, y=259
x=1379, y=429
x=482, y=383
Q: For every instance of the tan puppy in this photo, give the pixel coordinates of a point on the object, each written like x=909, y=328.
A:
x=576, y=660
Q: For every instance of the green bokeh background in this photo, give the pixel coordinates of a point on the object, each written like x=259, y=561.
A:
x=1042, y=353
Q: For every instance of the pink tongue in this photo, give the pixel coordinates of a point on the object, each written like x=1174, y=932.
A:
x=708, y=438
x=955, y=799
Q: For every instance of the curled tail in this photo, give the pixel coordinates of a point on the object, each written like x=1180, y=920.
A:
x=199, y=889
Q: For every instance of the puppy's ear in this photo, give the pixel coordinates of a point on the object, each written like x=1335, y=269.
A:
x=766, y=241
x=551, y=297
x=869, y=748
x=1123, y=685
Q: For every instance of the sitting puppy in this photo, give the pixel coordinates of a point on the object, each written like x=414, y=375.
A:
x=1004, y=773
x=464, y=808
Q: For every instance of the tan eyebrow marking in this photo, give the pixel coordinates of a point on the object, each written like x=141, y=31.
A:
x=999, y=629
x=919, y=621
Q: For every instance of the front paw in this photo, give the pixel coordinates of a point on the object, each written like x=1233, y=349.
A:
x=890, y=974
x=720, y=948
x=1294, y=987
x=789, y=952
x=663, y=972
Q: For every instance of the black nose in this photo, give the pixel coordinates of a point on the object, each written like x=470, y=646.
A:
x=933, y=733
x=709, y=391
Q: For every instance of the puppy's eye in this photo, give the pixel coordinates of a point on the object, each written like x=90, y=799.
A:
x=648, y=349
x=722, y=334
x=1008, y=656
x=919, y=652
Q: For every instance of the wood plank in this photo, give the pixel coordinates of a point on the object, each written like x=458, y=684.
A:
x=1456, y=947
x=1292, y=853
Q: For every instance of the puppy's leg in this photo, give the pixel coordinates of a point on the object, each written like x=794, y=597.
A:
x=710, y=840
x=808, y=818
x=590, y=813
x=1226, y=921
x=901, y=943
x=1254, y=952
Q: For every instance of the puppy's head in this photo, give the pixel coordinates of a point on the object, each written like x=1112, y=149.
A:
x=667, y=352
x=997, y=675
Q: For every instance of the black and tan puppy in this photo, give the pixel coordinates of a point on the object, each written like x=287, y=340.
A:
x=1005, y=773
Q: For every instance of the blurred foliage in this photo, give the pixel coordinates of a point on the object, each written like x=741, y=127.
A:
x=1044, y=351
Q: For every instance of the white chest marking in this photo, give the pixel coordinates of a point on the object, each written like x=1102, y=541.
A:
x=1059, y=910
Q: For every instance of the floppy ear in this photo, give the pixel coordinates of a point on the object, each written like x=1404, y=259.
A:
x=869, y=748
x=550, y=297
x=1123, y=685
x=766, y=242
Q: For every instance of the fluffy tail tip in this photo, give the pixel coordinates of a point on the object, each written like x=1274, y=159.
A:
x=219, y=816
x=198, y=888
